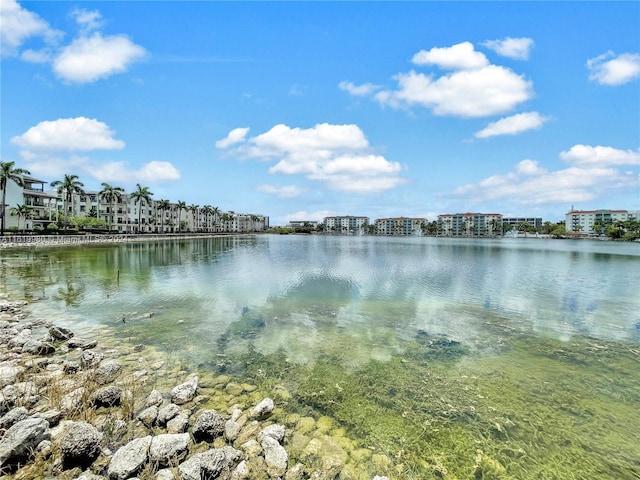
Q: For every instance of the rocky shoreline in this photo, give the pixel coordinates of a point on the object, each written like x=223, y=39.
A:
x=70, y=409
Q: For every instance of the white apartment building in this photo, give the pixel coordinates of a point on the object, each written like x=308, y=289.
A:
x=346, y=225
x=399, y=226
x=594, y=222
x=470, y=225
x=124, y=215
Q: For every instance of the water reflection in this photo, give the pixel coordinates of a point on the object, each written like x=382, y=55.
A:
x=309, y=295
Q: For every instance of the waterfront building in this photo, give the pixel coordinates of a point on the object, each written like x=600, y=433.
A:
x=303, y=223
x=123, y=214
x=594, y=222
x=346, y=225
x=399, y=226
x=512, y=223
x=470, y=225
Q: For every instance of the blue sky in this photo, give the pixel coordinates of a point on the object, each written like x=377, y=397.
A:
x=300, y=110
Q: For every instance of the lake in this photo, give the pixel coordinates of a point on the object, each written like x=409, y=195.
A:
x=424, y=357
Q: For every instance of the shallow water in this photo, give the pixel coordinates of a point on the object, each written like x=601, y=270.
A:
x=507, y=358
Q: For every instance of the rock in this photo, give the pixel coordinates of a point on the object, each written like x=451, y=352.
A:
x=13, y=417
x=262, y=409
x=82, y=344
x=184, y=392
x=9, y=374
x=274, y=431
x=110, y=396
x=71, y=366
x=164, y=474
x=154, y=398
x=232, y=430
x=241, y=472
x=21, y=439
x=107, y=371
x=90, y=359
x=60, y=333
x=179, y=423
x=72, y=401
x=80, y=445
x=295, y=473
x=129, y=459
x=249, y=431
x=216, y=463
x=37, y=347
x=52, y=416
x=44, y=449
x=166, y=413
x=209, y=425
x=275, y=457
x=168, y=447
x=148, y=416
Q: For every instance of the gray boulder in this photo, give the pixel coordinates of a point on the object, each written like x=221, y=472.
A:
x=154, y=398
x=184, y=392
x=80, y=444
x=110, y=396
x=275, y=457
x=59, y=334
x=274, y=431
x=107, y=371
x=209, y=425
x=262, y=409
x=148, y=416
x=129, y=459
x=166, y=413
x=169, y=447
x=12, y=417
x=72, y=401
x=179, y=423
x=21, y=440
x=217, y=463
x=9, y=374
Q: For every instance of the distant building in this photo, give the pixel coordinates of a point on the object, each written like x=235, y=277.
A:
x=303, y=223
x=399, y=226
x=43, y=204
x=592, y=222
x=513, y=222
x=470, y=225
x=346, y=225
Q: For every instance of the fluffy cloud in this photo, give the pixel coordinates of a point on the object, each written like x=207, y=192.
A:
x=336, y=155
x=458, y=57
x=529, y=184
x=151, y=172
x=19, y=24
x=517, y=48
x=287, y=191
x=513, y=125
x=87, y=19
x=69, y=134
x=609, y=69
x=472, y=88
x=586, y=155
x=94, y=57
x=236, y=135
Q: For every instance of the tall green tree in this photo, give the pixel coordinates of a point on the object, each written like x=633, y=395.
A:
x=141, y=196
x=163, y=205
x=110, y=194
x=66, y=187
x=194, y=209
x=181, y=206
x=9, y=174
x=21, y=211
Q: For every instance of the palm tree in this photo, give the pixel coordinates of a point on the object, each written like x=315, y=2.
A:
x=22, y=211
x=226, y=218
x=207, y=210
x=7, y=172
x=181, y=206
x=111, y=194
x=67, y=187
x=163, y=206
x=141, y=195
x=215, y=212
x=194, y=209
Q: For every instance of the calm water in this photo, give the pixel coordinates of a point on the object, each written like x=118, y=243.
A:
x=525, y=351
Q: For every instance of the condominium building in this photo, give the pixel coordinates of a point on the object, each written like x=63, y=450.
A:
x=509, y=223
x=303, y=223
x=346, y=225
x=470, y=225
x=123, y=214
x=399, y=226
x=591, y=222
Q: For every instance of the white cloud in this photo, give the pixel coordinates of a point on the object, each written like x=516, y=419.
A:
x=236, y=135
x=490, y=90
x=609, y=69
x=529, y=184
x=87, y=19
x=90, y=58
x=513, y=125
x=586, y=155
x=517, y=48
x=358, y=90
x=475, y=88
x=69, y=134
x=286, y=191
x=36, y=56
x=19, y=25
x=337, y=155
x=458, y=57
